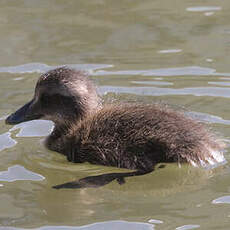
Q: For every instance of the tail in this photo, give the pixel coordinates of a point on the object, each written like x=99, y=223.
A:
x=101, y=180
x=211, y=155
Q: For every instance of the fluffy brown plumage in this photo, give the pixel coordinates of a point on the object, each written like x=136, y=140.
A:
x=136, y=136
x=133, y=136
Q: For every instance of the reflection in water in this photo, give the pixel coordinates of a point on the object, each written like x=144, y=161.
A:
x=179, y=71
x=35, y=128
x=95, y=69
x=220, y=83
x=222, y=200
x=18, y=172
x=6, y=141
x=152, y=83
x=153, y=221
x=110, y=225
x=41, y=68
x=153, y=91
x=203, y=8
x=208, y=118
x=187, y=227
x=169, y=51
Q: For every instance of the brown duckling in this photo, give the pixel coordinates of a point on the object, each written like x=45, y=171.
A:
x=132, y=136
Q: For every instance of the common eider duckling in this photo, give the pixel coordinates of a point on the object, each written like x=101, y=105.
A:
x=132, y=136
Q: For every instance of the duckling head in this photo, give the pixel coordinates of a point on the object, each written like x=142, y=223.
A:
x=62, y=95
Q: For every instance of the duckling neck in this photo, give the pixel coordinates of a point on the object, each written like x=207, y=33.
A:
x=60, y=138
x=57, y=139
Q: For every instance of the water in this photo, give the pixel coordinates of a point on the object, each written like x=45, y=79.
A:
x=175, y=52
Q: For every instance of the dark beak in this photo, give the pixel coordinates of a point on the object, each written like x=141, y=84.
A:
x=25, y=113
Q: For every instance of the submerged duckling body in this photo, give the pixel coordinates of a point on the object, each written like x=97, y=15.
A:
x=132, y=136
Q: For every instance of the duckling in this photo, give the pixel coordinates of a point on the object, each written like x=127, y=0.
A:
x=133, y=136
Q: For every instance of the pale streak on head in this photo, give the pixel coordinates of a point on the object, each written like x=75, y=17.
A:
x=86, y=92
x=78, y=87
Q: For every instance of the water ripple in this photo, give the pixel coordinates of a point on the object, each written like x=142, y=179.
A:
x=154, y=221
x=111, y=225
x=203, y=8
x=35, y=128
x=154, y=91
x=169, y=51
x=18, y=172
x=178, y=71
x=219, y=83
x=6, y=141
x=41, y=68
x=152, y=82
x=222, y=200
x=187, y=227
x=96, y=69
x=208, y=118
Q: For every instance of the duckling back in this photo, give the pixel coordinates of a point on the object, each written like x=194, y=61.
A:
x=140, y=136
